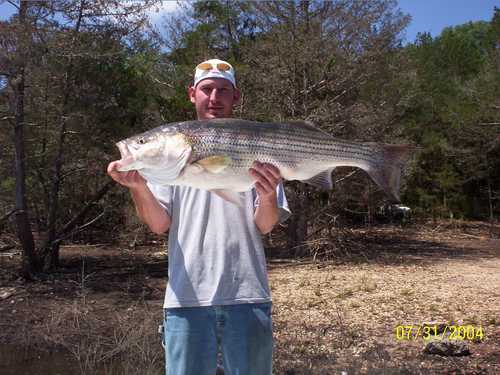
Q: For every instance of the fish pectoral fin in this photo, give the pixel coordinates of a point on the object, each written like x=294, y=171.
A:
x=322, y=180
x=229, y=195
x=193, y=169
x=214, y=164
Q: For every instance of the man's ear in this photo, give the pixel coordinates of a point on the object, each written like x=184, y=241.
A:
x=236, y=96
x=191, y=90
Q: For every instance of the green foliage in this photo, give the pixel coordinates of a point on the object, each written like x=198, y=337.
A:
x=178, y=107
x=7, y=184
x=449, y=113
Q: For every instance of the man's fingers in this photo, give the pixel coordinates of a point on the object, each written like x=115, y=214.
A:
x=265, y=176
x=273, y=170
x=256, y=174
x=267, y=186
x=262, y=180
x=112, y=167
x=270, y=168
x=136, y=176
x=260, y=189
x=128, y=179
x=114, y=173
x=270, y=176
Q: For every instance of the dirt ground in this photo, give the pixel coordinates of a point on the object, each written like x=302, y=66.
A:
x=103, y=306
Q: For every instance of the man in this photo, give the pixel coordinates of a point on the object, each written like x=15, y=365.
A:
x=217, y=296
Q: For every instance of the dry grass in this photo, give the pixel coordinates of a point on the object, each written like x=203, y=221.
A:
x=120, y=342
x=329, y=317
x=343, y=316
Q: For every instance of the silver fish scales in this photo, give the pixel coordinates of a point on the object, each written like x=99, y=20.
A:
x=216, y=154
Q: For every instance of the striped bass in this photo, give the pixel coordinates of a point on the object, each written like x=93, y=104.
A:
x=216, y=155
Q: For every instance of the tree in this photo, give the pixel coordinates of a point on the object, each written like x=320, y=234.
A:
x=17, y=80
x=65, y=38
x=450, y=114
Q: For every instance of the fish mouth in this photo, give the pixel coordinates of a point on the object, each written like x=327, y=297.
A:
x=127, y=159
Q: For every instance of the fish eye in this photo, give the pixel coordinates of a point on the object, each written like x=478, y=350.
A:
x=141, y=141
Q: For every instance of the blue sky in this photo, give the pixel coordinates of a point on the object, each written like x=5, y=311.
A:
x=434, y=15
x=427, y=15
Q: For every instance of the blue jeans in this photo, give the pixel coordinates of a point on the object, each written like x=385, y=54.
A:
x=193, y=337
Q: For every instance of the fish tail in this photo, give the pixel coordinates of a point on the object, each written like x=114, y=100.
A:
x=391, y=160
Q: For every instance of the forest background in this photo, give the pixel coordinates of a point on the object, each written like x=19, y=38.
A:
x=77, y=76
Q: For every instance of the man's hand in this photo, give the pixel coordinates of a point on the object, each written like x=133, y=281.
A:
x=267, y=177
x=147, y=206
x=130, y=179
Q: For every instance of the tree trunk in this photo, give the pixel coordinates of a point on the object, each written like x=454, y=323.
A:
x=490, y=201
x=297, y=229
x=50, y=250
x=490, y=195
x=30, y=262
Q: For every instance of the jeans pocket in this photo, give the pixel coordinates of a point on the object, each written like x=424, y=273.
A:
x=265, y=307
x=262, y=312
x=162, y=330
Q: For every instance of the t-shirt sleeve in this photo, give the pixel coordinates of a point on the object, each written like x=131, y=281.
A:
x=163, y=194
x=283, y=209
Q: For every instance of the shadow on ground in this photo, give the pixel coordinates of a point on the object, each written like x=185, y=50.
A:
x=389, y=246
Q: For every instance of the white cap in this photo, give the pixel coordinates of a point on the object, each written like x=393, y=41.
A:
x=214, y=68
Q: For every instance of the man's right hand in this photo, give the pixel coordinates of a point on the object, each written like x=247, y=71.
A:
x=130, y=179
x=147, y=206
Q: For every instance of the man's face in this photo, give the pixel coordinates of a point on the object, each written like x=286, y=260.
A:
x=214, y=98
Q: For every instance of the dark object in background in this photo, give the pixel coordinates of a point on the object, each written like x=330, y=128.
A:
x=393, y=214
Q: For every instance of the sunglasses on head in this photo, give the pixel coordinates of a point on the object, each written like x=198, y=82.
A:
x=222, y=67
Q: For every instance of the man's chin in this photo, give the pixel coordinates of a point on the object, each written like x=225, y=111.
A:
x=215, y=114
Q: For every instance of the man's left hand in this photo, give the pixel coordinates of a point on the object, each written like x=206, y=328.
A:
x=267, y=177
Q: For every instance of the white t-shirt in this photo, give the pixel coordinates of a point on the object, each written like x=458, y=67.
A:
x=215, y=251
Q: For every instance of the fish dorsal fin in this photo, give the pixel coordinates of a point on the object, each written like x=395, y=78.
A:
x=308, y=126
x=229, y=195
x=214, y=164
x=322, y=180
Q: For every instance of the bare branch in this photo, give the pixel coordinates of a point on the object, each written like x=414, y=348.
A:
x=160, y=82
x=80, y=228
x=74, y=222
x=71, y=171
x=7, y=215
x=346, y=177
